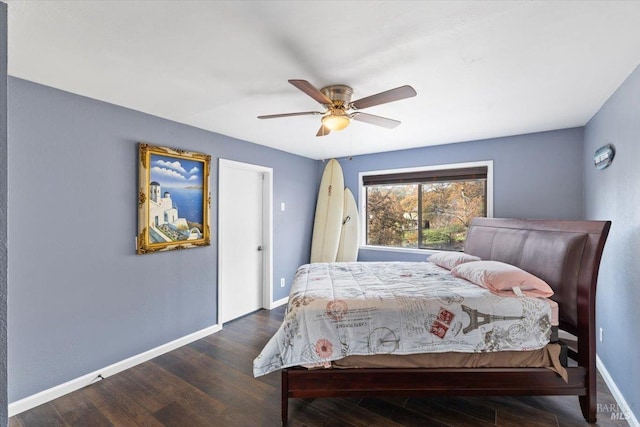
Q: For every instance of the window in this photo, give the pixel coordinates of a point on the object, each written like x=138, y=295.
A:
x=426, y=208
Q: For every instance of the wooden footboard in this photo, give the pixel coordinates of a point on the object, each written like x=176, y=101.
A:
x=303, y=383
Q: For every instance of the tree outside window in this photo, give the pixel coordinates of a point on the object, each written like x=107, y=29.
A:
x=432, y=212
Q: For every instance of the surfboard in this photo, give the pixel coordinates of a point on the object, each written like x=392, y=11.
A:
x=327, y=223
x=348, y=246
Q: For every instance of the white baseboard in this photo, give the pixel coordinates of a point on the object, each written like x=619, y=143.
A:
x=48, y=395
x=278, y=303
x=623, y=411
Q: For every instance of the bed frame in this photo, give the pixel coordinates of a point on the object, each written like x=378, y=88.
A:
x=566, y=254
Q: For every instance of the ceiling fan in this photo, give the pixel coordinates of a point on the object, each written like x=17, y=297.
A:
x=340, y=110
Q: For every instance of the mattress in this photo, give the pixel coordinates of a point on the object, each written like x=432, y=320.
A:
x=555, y=314
x=342, y=309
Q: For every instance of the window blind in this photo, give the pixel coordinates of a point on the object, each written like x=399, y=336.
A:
x=441, y=175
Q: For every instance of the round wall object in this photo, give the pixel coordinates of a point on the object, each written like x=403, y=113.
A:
x=603, y=156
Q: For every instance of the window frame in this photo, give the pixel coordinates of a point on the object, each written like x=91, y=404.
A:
x=362, y=195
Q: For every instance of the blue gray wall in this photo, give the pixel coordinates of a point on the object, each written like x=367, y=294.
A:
x=536, y=175
x=3, y=214
x=614, y=194
x=79, y=297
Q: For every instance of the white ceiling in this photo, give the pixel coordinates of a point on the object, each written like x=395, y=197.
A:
x=481, y=69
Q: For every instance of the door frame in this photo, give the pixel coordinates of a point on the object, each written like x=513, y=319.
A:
x=267, y=230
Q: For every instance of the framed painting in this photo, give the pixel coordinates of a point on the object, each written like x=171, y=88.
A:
x=174, y=199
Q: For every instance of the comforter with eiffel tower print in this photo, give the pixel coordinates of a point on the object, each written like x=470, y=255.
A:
x=362, y=308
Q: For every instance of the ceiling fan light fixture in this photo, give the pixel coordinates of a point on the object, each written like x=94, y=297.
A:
x=335, y=121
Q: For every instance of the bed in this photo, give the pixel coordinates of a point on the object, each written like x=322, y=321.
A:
x=564, y=254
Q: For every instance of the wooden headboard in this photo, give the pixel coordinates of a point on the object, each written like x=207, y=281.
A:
x=565, y=254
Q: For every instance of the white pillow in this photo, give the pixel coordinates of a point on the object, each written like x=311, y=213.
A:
x=449, y=260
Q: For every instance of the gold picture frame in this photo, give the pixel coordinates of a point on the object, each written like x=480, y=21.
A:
x=173, y=200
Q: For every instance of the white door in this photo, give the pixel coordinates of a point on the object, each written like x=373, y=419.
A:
x=242, y=243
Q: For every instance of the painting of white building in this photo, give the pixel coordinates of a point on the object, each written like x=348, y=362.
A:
x=174, y=202
x=164, y=223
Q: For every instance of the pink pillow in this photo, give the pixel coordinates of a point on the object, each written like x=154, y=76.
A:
x=502, y=279
x=449, y=260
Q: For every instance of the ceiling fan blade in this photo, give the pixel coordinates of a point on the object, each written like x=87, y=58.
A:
x=390, y=95
x=323, y=131
x=375, y=120
x=305, y=113
x=311, y=90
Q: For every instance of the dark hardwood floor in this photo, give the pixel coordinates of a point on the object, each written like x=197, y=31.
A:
x=210, y=383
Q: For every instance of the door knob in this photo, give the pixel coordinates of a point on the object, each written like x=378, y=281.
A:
x=260, y=247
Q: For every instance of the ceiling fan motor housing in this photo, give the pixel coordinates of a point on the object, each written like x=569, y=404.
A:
x=340, y=93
